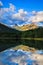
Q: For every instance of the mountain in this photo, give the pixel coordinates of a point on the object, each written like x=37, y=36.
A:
x=8, y=32
x=25, y=27
x=10, y=37
x=30, y=31
x=34, y=33
x=5, y=28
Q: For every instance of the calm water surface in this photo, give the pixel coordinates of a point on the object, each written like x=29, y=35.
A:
x=20, y=57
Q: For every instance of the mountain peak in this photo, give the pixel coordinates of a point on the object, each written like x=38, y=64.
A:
x=26, y=27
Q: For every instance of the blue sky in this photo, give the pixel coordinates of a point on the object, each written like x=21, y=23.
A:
x=21, y=12
x=28, y=5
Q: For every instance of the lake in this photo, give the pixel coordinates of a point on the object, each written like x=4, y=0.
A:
x=8, y=43
x=9, y=56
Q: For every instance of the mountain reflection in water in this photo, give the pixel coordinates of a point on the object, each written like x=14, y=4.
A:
x=20, y=57
x=8, y=43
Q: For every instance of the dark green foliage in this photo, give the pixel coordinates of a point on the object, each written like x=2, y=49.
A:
x=10, y=37
x=8, y=43
x=33, y=43
x=36, y=33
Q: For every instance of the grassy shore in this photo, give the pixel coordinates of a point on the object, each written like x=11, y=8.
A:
x=24, y=38
x=33, y=39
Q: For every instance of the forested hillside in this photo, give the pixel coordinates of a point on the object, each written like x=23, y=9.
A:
x=11, y=37
x=36, y=33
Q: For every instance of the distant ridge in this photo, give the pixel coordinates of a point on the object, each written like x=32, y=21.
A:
x=5, y=28
x=26, y=27
x=8, y=36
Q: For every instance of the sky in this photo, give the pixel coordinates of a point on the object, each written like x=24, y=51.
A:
x=21, y=12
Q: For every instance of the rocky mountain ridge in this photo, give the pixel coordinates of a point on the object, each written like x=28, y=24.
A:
x=26, y=27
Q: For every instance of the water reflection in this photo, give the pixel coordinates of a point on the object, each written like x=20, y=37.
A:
x=20, y=57
x=8, y=43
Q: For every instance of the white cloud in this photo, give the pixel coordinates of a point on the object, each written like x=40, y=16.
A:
x=1, y=4
x=20, y=15
x=21, y=11
x=10, y=9
x=37, y=16
x=6, y=13
x=11, y=16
